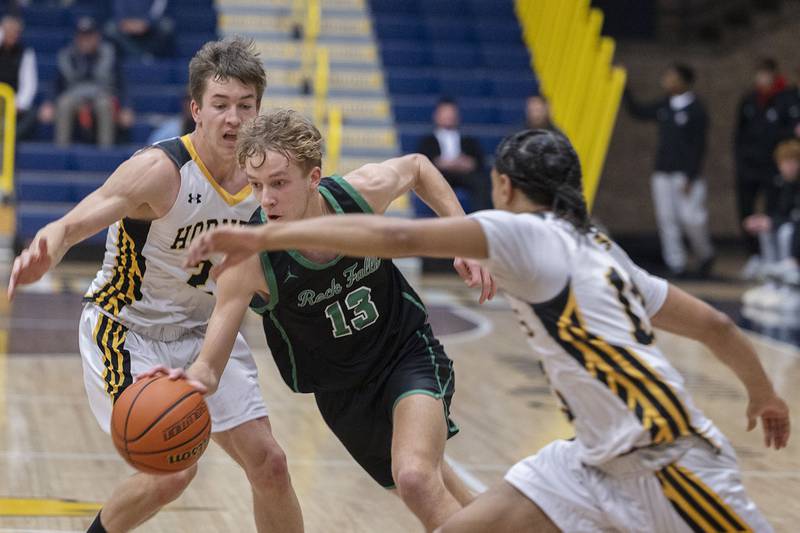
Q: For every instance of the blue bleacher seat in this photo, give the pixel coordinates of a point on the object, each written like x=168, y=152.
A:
x=187, y=45
x=498, y=31
x=452, y=55
x=461, y=85
x=46, y=16
x=421, y=210
x=394, y=6
x=159, y=99
x=135, y=71
x=405, y=54
x=90, y=159
x=41, y=156
x=514, y=88
x=399, y=27
x=450, y=29
x=410, y=83
x=505, y=57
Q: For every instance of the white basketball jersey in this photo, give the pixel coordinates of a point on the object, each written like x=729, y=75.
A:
x=142, y=283
x=586, y=308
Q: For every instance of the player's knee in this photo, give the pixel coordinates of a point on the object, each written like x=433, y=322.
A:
x=169, y=487
x=270, y=471
x=415, y=480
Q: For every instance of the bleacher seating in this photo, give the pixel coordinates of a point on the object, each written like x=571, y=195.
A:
x=476, y=56
x=50, y=179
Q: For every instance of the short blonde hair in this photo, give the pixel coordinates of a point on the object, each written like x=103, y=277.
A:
x=284, y=131
x=788, y=150
x=233, y=57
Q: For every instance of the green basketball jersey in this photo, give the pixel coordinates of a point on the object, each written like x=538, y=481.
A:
x=336, y=325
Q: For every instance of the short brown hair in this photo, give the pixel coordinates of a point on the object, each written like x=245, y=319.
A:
x=233, y=57
x=788, y=150
x=284, y=131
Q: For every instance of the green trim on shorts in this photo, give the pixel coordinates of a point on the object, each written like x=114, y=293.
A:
x=413, y=392
x=451, y=426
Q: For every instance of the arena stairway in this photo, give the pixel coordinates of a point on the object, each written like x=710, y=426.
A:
x=356, y=81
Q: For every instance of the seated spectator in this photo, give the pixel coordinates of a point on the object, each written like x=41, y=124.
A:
x=537, y=114
x=175, y=126
x=458, y=157
x=139, y=29
x=18, y=69
x=88, y=90
x=776, y=230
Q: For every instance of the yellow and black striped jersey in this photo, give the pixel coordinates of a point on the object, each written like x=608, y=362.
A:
x=142, y=283
x=586, y=308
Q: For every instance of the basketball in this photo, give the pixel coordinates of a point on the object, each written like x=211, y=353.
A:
x=160, y=426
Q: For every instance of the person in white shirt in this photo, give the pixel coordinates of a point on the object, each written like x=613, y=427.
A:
x=644, y=458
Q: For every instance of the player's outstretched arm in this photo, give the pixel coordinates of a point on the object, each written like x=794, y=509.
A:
x=381, y=183
x=355, y=235
x=687, y=316
x=137, y=188
x=235, y=289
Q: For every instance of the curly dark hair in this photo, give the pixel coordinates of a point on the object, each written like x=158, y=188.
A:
x=544, y=166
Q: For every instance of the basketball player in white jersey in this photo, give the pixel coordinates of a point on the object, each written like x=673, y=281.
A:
x=145, y=308
x=644, y=458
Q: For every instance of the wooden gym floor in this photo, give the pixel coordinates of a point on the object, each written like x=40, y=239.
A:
x=52, y=450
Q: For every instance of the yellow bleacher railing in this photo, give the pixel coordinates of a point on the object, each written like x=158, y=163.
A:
x=573, y=64
x=322, y=111
x=9, y=138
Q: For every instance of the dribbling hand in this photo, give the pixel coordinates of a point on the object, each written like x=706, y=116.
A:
x=173, y=374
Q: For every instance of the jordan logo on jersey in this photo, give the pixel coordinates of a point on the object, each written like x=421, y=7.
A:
x=289, y=275
x=195, y=198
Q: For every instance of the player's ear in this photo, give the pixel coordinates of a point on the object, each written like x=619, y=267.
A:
x=194, y=107
x=315, y=177
x=505, y=188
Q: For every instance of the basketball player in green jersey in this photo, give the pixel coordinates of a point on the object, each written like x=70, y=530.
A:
x=348, y=329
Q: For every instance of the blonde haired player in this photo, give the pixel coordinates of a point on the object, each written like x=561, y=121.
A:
x=145, y=308
x=644, y=458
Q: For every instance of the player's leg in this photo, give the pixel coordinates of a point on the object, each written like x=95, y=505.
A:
x=456, y=485
x=501, y=509
x=418, y=440
x=705, y=490
x=666, y=194
x=274, y=501
x=693, y=214
x=111, y=356
x=242, y=429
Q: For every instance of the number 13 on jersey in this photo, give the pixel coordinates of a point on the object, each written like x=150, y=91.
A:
x=360, y=302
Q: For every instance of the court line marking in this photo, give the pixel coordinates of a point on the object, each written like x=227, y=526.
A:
x=475, y=484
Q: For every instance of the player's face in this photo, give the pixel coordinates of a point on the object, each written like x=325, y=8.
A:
x=226, y=105
x=281, y=186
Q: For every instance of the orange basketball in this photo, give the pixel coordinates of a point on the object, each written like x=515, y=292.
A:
x=160, y=426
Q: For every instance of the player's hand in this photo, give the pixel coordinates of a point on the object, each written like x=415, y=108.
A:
x=474, y=275
x=774, y=415
x=237, y=244
x=173, y=374
x=29, y=266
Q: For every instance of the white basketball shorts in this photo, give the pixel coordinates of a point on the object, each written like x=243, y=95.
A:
x=700, y=492
x=113, y=354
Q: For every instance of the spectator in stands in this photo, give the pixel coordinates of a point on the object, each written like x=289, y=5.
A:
x=775, y=227
x=679, y=190
x=88, y=89
x=175, y=126
x=18, y=69
x=140, y=29
x=790, y=109
x=758, y=132
x=458, y=157
x=537, y=114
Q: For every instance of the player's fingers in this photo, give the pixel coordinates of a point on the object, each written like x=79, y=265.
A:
x=156, y=370
x=461, y=267
x=42, y=248
x=219, y=268
x=485, y=285
x=751, y=422
x=494, y=287
x=176, y=373
x=12, y=280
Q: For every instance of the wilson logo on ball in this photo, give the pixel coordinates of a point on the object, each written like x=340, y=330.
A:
x=197, y=450
x=185, y=422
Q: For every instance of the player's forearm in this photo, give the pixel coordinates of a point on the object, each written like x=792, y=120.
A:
x=354, y=235
x=205, y=374
x=732, y=347
x=56, y=234
x=434, y=190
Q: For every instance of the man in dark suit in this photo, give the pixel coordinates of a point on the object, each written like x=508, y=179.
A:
x=458, y=157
